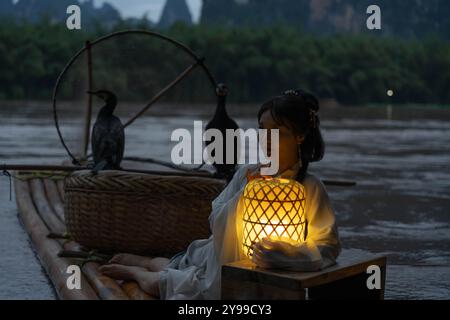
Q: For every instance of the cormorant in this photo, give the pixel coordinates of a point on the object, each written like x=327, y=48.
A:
x=222, y=122
x=108, y=137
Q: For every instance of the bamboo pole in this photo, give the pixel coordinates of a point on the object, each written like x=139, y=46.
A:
x=60, y=187
x=54, y=198
x=160, y=94
x=338, y=183
x=88, y=114
x=43, y=207
x=47, y=249
x=76, y=168
x=28, y=167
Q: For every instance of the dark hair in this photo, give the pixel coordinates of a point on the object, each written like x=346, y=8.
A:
x=297, y=110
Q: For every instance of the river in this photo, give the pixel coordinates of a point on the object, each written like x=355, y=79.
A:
x=400, y=206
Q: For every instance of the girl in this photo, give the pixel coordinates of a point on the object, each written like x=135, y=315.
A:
x=195, y=273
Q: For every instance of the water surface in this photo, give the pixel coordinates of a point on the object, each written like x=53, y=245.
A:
x=400, y=207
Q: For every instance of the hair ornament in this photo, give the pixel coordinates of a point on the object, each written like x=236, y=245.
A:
x=313, y=118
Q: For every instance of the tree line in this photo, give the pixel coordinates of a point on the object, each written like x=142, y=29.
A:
x=254, y=62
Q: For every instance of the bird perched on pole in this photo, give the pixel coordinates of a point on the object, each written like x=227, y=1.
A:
x=221, y=121
x=108, y=137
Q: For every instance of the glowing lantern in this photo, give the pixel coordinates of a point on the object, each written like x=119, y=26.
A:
x=273, y=208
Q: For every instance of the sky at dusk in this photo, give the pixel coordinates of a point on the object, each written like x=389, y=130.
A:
x=153, y=8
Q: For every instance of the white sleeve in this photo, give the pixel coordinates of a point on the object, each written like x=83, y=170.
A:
x=321, y=221
x=226, y=219
x=232, y=190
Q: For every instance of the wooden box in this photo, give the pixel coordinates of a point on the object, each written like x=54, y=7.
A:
x=243, y=280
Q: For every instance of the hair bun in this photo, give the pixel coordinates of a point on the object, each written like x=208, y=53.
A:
x=310, y=100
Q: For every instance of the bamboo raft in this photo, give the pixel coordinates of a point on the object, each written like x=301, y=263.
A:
x=40, y=201
x=41, y=208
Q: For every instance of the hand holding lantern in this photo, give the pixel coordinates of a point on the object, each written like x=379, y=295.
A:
x=281, y=254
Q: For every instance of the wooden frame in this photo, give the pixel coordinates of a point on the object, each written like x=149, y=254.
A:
x=243, y=280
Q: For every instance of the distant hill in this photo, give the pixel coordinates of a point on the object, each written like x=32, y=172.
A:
x=55, y=11
x=107, y=15
x=6, y=7
x=405, y=18
x=175, y=11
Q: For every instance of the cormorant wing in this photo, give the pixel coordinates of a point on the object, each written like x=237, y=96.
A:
x=108, y=141
x=118, y=135
x=99, y=134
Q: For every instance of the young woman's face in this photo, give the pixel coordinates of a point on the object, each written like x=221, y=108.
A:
x=288, y=141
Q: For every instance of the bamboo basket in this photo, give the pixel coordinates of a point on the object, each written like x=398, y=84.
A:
x=145, y=214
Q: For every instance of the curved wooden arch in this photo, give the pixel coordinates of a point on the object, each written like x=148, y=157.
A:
x=197, y=61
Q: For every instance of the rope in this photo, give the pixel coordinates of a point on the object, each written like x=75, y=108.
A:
x=38, y=175
x=31, y=175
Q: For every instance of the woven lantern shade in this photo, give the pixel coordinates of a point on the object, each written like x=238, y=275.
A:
x=273, y=208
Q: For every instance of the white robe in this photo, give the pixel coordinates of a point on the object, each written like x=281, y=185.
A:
x=196, y=273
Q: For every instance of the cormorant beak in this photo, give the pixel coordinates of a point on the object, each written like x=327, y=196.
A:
x=91, y=92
